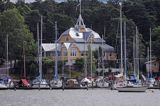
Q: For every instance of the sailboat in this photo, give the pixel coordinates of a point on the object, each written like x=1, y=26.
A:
x=120, y=79
x=151, y=81
x=88, y=81
x=129, y=85
x=126, y=85
x=39, y=82
x=102, y=82
x=56, y=82
x=2, y=82
x=6, y=81
x=23, y=83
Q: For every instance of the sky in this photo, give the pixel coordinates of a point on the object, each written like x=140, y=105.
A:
x=29, y=1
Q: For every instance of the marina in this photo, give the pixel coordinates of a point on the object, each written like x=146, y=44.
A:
x=79, y=53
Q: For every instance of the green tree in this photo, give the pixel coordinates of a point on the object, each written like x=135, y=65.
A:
x=156, y=42
x=12, y=23
x=79, y=64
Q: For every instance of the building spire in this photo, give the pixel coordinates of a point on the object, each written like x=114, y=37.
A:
x=80, y=23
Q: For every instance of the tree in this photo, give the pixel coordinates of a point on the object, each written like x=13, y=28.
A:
x=142, y=18
x=79, y=64
x=12, y=24
x=156, y=41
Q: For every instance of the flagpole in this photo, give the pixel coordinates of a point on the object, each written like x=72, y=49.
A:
x=80, y=6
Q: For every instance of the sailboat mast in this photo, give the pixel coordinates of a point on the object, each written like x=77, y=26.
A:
x=134, y=62
x=91, y=56
x=98, y=60
x=56, y=54
x=62, y=59
x=24, y=59
x=38, y=40
x=103, y=51
x=7, y=55
x=121, y=37
x=40, y=57
x=148, y=59
x=125, y=52
x=85, y=60
x=150, y=66
x=137, y=53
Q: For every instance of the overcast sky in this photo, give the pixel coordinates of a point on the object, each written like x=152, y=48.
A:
x=25, y=1
x=28, y=1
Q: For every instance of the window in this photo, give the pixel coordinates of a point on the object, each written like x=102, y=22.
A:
x=82, y=54
x=67, y=39
x=77, y=34
x=73, y=52
x=65, y=52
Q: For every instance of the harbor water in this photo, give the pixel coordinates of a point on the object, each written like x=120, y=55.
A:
x=78, y=97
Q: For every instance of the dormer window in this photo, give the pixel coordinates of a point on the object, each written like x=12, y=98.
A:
x=77, y=34
x=67, y=39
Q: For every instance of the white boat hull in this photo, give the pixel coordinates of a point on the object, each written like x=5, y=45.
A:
x=131, y=89
x=3, y=86
x=55, y=83
x=102, y=84
x=40, y=84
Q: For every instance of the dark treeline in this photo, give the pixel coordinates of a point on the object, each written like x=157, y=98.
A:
x=19, y=22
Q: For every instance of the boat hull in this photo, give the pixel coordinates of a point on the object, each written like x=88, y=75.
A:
x=56, y=84
x=3, y=86
x=131, y=89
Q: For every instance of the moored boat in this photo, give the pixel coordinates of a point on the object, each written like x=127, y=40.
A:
x=132, y=89
x=37, y=83
x=102, y=82
x=2, y=84
x=72, y=83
